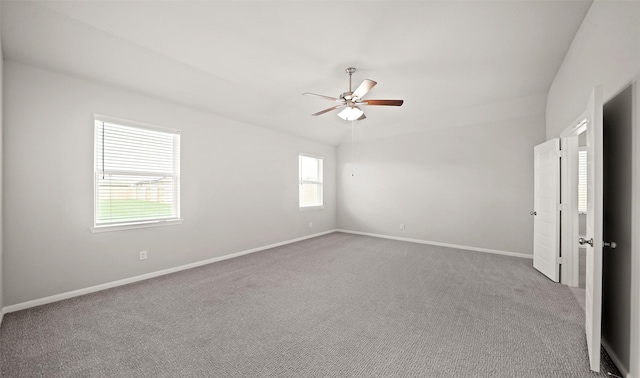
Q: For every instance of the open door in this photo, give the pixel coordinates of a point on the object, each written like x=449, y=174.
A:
x=546, y=241
x=593, y=239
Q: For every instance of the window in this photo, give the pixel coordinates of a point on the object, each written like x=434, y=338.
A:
x=136, y=174
x=310, y=182
x=582, y=181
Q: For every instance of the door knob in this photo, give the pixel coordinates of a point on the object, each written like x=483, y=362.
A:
x=533, y=213
x=584, y=241
x=611, y=245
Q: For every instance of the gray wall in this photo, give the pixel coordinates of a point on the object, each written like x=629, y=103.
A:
x=468, y=185
x=605, y=51
x=239, y=187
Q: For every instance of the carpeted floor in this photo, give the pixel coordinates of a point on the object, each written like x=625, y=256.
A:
x=339, y=305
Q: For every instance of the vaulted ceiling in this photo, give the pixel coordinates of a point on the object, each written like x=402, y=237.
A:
x=252, y=60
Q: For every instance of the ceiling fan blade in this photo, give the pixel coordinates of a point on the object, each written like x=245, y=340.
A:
x=323, y=96
x=327, y=110
x=363, y=88
x=382, y=102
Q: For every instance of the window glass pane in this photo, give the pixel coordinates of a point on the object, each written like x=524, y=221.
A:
x=309, y=168
x=309, y=195
x=131, y=198
x=310, y=181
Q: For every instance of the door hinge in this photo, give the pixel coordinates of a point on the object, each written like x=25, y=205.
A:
x=562, y=153
x=561, y=207
x=561, y=260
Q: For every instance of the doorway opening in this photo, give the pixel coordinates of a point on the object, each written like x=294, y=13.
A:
x=577, y=283
x=606, y=242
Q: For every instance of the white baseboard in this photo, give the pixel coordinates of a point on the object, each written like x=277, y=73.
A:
x=420, y=241
x=614, y=357
x=109, y=285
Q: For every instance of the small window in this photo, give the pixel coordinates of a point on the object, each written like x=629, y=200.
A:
x=582, y=181
x=310, y=182
x=136, y=174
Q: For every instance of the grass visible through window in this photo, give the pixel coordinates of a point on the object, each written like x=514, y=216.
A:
x=125, y=209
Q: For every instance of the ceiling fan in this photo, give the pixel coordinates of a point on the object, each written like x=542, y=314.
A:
x=351, y=101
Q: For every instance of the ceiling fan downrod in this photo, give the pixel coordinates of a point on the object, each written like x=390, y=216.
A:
x=350, y=71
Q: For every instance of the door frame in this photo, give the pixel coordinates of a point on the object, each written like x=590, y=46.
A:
x=593, y=306
x=570, y=268
x=634, y=362
x=569, y=220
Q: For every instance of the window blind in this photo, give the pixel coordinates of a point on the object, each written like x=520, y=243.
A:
x=310, y=194
x=582, y=181
x=137, y=174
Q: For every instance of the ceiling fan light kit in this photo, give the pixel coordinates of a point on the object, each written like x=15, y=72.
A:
x=351, y=113
x=351, y=100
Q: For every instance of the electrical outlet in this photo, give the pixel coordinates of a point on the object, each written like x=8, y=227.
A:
x=310, y=224
x=143, y=255
x=402, y=226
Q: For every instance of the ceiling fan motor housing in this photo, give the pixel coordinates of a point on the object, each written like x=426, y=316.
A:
x=346, y=96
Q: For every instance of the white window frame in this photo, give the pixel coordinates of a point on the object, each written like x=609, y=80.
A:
x=319, y=183
x=142, y=223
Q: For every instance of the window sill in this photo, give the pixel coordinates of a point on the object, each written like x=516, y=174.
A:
x=132, y=226
x=309, y=208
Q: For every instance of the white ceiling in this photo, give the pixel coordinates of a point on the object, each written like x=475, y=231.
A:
x=251, y=60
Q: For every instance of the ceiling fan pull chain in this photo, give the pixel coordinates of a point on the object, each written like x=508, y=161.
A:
x=352, y=151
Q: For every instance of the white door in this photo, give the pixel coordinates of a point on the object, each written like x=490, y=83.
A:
x=593, y=242
x=546, y=243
